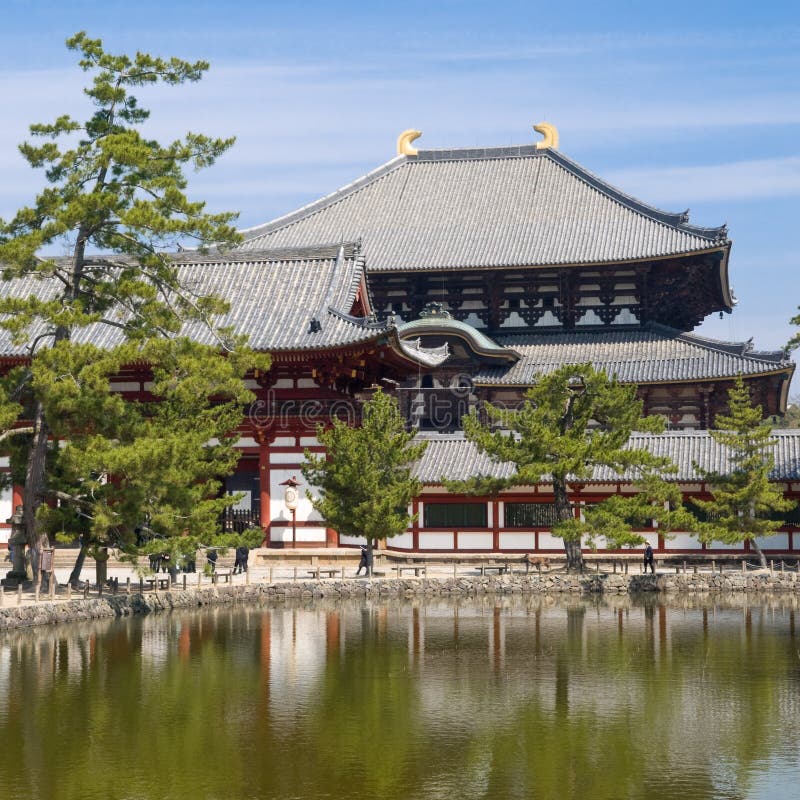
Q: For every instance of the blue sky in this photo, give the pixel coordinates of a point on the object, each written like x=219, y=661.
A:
x=682, y=104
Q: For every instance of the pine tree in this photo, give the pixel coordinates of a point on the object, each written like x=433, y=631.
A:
x=128, y=472
x=744, y=503
x=117, y=202
x=364, y=478
x=571, y=422
x=794, y=342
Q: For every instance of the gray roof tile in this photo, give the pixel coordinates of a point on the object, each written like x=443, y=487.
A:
x=654, y=354
x=492, y=207
x=453, y=457
x=273, y=297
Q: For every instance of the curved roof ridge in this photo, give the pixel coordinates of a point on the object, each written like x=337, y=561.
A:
x=734, y=348
x=321, y=203
x=679, y=219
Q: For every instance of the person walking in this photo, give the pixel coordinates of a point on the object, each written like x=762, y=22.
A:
x=363, y=562
x=648, y=559
x=240, y=564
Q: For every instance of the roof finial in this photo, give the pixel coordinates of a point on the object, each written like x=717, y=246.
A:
x=404, y=140
x=550, y=133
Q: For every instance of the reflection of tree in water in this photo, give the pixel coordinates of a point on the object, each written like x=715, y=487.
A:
x=501, y=698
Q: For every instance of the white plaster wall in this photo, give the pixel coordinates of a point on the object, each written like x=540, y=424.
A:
x=518, y=541
x=549, y=542
x=513, y=320
x=436, y=541
x=683, y=541
x=652, y=538
x=287, y=458
x=278, y=534
x=278, y=511
x=284, y=441
x=589, y=318
x=548, y=318
x=6, y=510
x=309, y=441
x=625, y=317
x=474, y=320
x=779, y=541
x=474, y=541
x=405, y=541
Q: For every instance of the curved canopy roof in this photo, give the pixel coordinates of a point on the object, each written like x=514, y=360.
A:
x=438, y=323
x=488, y=208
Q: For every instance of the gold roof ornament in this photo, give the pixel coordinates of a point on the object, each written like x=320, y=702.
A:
x=404, y=140
x=550, y=133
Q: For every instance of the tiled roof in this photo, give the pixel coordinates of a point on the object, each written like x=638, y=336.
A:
x=453, y=457
x=651, y=355
x=273, y=296
x=493, y=207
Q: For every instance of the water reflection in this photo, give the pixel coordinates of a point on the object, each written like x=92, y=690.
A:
x=501, y=697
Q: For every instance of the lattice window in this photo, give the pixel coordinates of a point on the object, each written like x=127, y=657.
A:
x=530, y=515
x=455, y=515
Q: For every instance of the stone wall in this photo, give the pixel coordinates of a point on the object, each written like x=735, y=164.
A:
x=47, y=612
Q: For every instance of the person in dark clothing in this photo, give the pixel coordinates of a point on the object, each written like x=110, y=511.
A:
x=363, y=562
x=648, y=559
x=211, y=557
x=240, y=564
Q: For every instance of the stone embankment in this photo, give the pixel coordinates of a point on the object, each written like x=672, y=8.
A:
x=49, y=612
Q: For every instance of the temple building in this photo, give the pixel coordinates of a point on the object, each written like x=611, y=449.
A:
x=453, y=277
x=517, y=260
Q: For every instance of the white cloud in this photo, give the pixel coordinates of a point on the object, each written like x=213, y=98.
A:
x=770, y=177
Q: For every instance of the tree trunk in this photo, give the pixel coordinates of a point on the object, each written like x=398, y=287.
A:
x=101, y=567
x=369, y=556
x=574, y=556
x=34, y=489
x=761, y=557
x=75, y=575
x=564, y=513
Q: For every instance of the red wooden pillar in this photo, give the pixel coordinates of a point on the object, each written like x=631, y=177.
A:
x=264, y=486
x=415, y=526
x=495, y=525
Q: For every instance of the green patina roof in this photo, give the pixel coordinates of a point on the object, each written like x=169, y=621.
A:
x=435, y=321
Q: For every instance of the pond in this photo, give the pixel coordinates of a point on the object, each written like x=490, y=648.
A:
x=521, y=697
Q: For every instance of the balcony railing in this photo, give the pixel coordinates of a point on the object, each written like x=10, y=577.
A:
x=236, y=520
